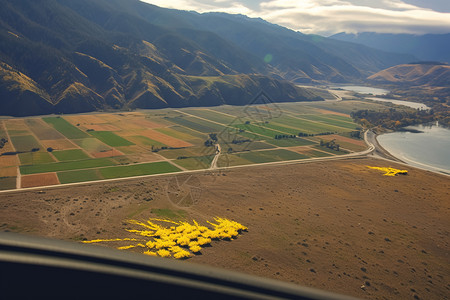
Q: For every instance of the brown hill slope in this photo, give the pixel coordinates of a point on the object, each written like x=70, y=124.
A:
x=414, y=74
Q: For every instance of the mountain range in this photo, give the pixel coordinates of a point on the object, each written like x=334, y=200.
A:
x=67, y=56
x=426, y=47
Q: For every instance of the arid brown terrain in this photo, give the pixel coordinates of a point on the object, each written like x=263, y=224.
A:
x=337, y=225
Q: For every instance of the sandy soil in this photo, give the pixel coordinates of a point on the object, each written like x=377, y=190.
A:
x=337, y=225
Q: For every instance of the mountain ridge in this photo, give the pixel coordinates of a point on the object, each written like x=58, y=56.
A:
x=91, y=55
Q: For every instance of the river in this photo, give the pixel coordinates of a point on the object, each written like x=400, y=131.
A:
x=362, y=89
x=428, y=149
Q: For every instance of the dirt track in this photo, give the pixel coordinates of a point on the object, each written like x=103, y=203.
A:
x=333, y=225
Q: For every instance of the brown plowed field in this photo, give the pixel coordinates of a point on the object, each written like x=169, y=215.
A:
x=39, y=180
x=336, y=225
x=343, y=139
x=15, y=124
x=143, y=123
x=9, y=161
x=62, y=144
x=42, y=130
x=85, y=119
x=7, y=171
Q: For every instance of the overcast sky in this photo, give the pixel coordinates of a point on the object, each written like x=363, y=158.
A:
x=326, y=17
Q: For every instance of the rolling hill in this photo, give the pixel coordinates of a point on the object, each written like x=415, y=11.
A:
x=424, y=82
x=65, y=56
x=416, y=74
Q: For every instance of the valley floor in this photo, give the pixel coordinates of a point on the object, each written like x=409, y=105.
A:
x=336, y=225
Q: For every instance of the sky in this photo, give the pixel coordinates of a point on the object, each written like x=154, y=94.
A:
x=327, y=17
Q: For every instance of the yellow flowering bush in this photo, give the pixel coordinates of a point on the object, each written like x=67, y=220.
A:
x=180, y=240
x=390, y=171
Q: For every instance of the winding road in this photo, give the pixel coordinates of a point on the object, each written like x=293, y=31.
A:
x=216, y=157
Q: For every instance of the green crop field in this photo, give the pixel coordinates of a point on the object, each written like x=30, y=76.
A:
x=110, y=138
x=138, y=170
x=79, y=176
x=228, y=160
x=64, y=127
x=72, y=154
x=195, y=163
x=35, y=158
x=306, y=126
x=331, y=121
x=291, y=142
x=67, y=165
x=247, y=146
x=24, y=143
x=7, y=183
x=338, y=117
x=280, y=129
x=348, y=106
x=257, y=130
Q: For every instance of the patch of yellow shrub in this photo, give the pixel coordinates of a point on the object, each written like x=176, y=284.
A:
x=390, y=171
x=181, y=240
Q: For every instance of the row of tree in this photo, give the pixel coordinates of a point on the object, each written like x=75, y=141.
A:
x=392, y=118
x=285, y=136
x=3, y=141
x=330, y=144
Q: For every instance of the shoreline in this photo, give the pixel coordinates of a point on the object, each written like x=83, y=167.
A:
x=406, y=162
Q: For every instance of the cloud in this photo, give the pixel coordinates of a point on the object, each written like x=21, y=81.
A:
x=326, y=17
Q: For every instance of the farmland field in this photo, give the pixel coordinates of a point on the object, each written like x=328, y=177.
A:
x=74, y=154
x=24, y=143
x=88, y=147
x=7, y=183
x=197, y=124
x=65, y=128
x=68, y=165
x=39, y=180
x=42, y=130
x=110, y=138
x=195, y=163
x=271, y=155
x=79, y=176
x=31, y=158
x=92, y=145
x=138, y=170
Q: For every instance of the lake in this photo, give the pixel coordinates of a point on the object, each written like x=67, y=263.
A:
x=428, y=149
x=377, y=92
